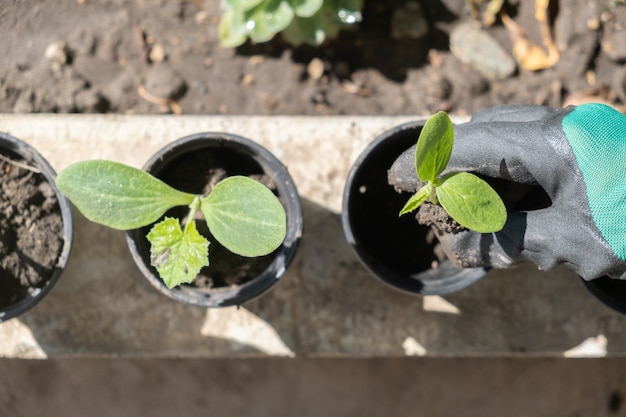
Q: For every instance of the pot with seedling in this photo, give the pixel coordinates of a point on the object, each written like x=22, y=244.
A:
x=213, y=219
x=398, y=249
x=35, y=228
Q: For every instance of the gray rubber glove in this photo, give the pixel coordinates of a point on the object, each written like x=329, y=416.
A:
x=577, y=155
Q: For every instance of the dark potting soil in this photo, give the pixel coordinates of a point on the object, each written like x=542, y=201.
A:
x=31, y=229
x=429, y=214
x=197, y=173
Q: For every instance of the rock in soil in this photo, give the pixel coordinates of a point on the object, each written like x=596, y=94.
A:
x=162, y=81
x=475, y=47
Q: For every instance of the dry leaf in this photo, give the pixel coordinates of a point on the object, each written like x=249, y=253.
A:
x=493, y=8
x=528, y=54
x=490, y=12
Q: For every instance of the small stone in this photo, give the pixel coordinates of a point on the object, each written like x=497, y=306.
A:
x=256, y=59
x=58, y=52
x=157, y=53
x=162, y=81
x=201, y=17
x=315, y=69
x=247, y=79
x=408, y=21
x=593, y=23
x=475, y=47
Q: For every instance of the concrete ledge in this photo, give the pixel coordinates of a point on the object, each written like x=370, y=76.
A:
x=327, y=304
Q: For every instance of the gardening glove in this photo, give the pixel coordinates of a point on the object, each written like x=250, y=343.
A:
x=575, y=156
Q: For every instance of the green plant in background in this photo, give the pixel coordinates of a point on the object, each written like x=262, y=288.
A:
x=300, y=21
x=242, y=214
x=466, y=198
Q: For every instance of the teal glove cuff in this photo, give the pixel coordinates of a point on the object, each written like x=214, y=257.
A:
x=595, y=133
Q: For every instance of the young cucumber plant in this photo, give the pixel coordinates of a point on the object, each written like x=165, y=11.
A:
x=242, y=214
x=466, y=198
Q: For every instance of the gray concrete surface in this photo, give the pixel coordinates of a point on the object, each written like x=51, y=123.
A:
x=326, y=305
x=434, y=387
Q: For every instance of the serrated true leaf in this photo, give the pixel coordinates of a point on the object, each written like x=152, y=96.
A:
x=177, y=254
x=117, y=195
x=472, y=202
x=434, y=146
x=417, y=199
x=245, y=216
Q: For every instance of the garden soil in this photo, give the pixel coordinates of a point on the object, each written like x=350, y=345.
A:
x=31, y=231
x=163, y=56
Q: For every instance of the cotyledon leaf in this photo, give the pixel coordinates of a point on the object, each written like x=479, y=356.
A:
x=434, y=146
x=245, y=216
x=472, y=202
x=417, y=199
x=117, y=195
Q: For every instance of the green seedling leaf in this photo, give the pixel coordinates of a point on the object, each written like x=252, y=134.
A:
x=244, y=216
x=232, y=30
x=267, y=19
x=117, y=195
x=434, y=147
x=178, y=255
x=305, y=30
x=472, y=202
x=242, y=5
x=306, y=8
x=417, y=199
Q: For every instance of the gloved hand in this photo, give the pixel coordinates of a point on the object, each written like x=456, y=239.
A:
x=577, y=155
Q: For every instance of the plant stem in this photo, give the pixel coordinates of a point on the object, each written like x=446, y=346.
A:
x=433, y=196
x=193, y=207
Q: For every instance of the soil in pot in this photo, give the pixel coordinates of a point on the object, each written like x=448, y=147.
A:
x=198, y=173
x=31, y=229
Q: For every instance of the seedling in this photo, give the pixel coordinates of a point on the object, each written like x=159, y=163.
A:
x=300, y=21
x=242, y=214
x=465, y=197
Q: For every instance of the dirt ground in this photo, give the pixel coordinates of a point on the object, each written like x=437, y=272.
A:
x=119, y=56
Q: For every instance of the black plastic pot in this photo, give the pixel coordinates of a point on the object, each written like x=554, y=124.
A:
x=395, y=249
x=184, y=164
x=17, y=150
x=610, y=292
